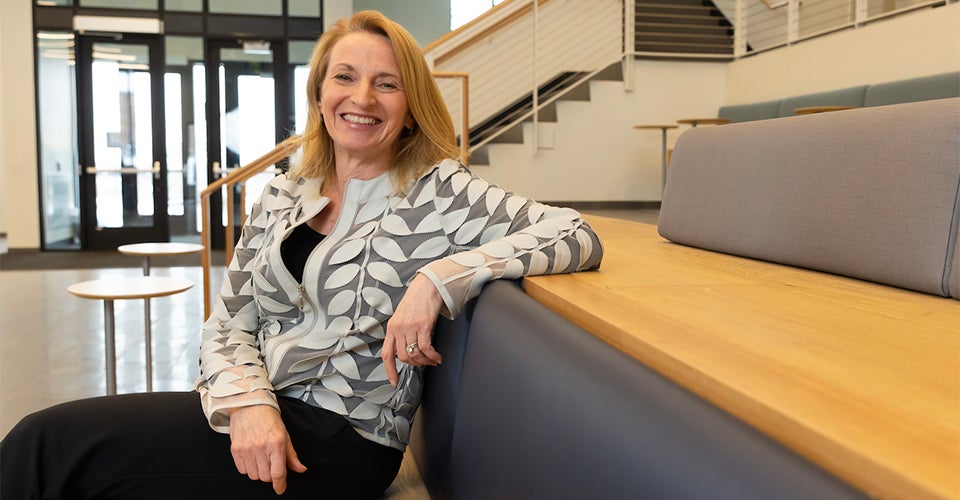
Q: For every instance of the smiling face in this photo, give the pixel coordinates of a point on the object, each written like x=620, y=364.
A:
x=362, y=100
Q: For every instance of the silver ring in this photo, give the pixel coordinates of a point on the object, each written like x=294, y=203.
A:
x=412, y=347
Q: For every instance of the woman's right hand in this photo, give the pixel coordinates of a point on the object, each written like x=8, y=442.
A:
x=261, y=446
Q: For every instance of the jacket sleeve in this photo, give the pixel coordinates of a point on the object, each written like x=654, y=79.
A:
x=497, y=234
x=232, y=373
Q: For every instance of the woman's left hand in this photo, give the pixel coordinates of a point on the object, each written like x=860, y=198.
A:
x=412, y=325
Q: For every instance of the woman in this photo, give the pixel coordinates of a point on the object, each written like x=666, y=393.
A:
x=311, y=360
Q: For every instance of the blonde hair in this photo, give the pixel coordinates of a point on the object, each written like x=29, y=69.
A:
x=432, y=136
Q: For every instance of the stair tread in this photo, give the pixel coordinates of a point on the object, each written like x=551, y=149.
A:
x=683, y=44
x=701, y=27
x=681, y=16
x=667, y=34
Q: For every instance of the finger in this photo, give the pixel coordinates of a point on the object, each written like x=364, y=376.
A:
x=293, y=462
x=278, y=472
x=238, y=463
x=419, y=357
x=425, y=342
x=264, y=472
x=388, y=354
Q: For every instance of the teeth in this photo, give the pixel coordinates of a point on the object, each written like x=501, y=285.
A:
x=360, y=120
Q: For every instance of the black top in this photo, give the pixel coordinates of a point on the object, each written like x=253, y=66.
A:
x=297, y=247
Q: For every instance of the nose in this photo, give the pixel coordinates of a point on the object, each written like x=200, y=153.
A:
x=363, y=93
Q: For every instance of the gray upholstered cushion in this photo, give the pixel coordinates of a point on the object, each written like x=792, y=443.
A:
x=914, y=89
x=850, y=96
x=749, y=112
x=869, y=193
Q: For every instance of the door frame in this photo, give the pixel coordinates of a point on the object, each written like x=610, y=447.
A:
x=282, y=120
x=93, y=237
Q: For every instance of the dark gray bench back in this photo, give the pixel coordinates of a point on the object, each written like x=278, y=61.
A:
x=546, y=410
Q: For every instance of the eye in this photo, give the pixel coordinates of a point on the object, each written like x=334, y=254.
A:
x=388, y=86
x=342, y=77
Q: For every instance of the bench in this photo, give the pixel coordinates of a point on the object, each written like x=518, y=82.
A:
x=923, y=88
x=764, y=342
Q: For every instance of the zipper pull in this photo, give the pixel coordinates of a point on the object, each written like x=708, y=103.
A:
x=303, y=293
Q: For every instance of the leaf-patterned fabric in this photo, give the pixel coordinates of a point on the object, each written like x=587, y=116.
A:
x=320, y=340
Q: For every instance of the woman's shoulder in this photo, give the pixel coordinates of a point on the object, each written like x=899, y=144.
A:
x=443, y=170
x=288, y=188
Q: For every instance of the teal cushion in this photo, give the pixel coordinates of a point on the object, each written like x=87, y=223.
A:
x=749, y=112
x=915, y=89
x=851, y=96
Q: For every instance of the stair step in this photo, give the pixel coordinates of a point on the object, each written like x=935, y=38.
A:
x=614, y=72
x=684, y=48
x=684, y=37
x=698, y=10
x=681, y=19
x=523, y=106
x=696, y=3
x=661, y=26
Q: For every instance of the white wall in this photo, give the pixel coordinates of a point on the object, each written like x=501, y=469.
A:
x=593, y=153
x=924, y=42
x=19, y=202
x=426, y=21
x=333, y=10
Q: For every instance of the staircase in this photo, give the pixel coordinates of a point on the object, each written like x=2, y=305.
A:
x=673, y=27
x=516, y=111
x=664, y=29
x=568, y=86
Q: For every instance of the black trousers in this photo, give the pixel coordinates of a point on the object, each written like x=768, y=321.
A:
x=159, y=446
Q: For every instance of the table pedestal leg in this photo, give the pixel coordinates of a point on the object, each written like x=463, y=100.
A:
x=148, y=322
x=149, y=344
x=110, y=346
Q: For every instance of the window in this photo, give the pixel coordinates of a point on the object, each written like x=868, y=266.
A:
x=464, y=11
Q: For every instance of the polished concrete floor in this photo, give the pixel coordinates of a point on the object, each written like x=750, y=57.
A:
x=52, y=343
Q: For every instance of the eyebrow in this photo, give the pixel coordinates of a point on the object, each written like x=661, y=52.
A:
x=348, y=67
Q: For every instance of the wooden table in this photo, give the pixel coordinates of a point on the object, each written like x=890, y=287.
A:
x=693, y=122
x=136, y=287
x=663, y=167
x=147, y=250
x=809, y=110
x=860, y=378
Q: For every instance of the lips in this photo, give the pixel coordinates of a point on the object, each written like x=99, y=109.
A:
x=360, y=120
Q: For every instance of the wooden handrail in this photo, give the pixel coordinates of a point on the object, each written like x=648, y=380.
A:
x=464, y=111
x=281, y=151
x=468, y=41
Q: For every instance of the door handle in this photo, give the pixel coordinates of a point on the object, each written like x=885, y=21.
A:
x=125, y=170
x=220, y=172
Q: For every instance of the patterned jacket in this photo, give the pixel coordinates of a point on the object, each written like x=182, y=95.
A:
x=320, y=340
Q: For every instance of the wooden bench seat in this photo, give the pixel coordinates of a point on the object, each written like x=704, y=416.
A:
x=860, y=378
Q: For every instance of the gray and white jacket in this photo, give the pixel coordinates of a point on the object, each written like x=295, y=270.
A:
x=320, y=340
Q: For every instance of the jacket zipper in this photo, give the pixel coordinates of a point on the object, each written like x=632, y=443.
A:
x=302, y=291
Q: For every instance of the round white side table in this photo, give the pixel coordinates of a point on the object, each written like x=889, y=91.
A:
x=147, y=250
x=135, y=287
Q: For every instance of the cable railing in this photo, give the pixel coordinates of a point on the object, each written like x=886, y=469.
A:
x=521, y=45
x=762, y=25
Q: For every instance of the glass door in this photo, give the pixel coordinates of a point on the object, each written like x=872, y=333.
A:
x=121, y=141
x=248, y=110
